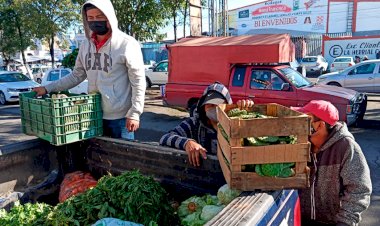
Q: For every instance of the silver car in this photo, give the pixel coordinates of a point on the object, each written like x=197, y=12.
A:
x=362, y=77
x=158, y=75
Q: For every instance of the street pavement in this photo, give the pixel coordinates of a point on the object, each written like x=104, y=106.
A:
x=158, y=119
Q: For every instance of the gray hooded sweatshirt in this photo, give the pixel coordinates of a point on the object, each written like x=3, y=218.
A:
x=340, y=181
x=116, y=71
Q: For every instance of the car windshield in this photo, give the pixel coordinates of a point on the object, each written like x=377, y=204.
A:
x=295, y=78
x=345, y=60
x=309, y=59
x=13, y=77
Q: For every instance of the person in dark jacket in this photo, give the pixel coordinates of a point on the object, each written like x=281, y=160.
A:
x=197, y=135
x=339, y=177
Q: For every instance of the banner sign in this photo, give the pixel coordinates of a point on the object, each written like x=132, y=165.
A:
x=300, y=15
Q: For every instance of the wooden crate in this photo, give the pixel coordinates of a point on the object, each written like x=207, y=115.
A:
x=233, y=156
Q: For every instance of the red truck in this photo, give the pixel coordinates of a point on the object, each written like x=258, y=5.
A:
x=254, y=66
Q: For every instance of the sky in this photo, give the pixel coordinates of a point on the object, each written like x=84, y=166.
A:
x=232, y=4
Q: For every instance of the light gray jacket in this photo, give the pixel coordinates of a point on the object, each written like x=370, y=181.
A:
x=116, y=71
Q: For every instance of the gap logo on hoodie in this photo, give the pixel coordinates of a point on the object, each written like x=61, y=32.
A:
x=98, y=61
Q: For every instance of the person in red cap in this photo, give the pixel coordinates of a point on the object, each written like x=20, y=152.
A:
x=340, y=179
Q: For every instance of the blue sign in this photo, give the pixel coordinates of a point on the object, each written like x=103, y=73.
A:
x=244, y=13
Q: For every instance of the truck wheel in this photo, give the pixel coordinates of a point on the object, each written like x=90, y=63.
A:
x=334, y=84
x=2, y=98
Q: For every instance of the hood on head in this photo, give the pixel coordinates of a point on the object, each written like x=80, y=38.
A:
x=339, y=131
x=215, y=87
x=107, y=8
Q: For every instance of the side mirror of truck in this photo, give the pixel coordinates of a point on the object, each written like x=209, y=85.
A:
x=285, y=87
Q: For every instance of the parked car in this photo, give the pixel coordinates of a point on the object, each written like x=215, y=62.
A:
x=158, y=75
x=39, y=72
x=362, y=77
x=315, y=64
x=341, y=63
x=149, y=65
x=55, y=74
x=12, y=84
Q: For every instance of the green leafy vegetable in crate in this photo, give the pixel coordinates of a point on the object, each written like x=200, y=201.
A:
x=269, y=140
x=275, y=169
x=244, y=114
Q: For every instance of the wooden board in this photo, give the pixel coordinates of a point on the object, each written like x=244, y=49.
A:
x=249, y=181
x=286, y=122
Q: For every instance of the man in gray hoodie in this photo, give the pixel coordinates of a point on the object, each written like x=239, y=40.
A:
x=340, y=178
x=113, y=64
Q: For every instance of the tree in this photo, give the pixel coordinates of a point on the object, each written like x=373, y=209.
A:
x=15, y=33
x=52, y=17
x=141, y=19
x=177, y=8
x=69, y=60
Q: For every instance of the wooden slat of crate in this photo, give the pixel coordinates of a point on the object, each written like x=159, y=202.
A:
x=249, y=181
x=237, y=155
x=287, y=123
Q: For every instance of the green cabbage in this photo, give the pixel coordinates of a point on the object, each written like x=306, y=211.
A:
x=226, y=195
x=191, y=205
x=193, y=219
x=210, y=211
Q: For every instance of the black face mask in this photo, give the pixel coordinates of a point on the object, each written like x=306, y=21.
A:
x=99, y=27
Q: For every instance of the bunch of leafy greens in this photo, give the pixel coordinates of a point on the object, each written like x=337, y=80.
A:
x=130, y=197
x=25, y=215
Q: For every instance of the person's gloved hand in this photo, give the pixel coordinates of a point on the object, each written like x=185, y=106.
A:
x=194, y=151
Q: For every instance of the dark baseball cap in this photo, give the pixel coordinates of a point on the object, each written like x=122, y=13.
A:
x=214, y=98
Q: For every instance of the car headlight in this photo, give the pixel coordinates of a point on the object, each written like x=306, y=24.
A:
x=12, y=90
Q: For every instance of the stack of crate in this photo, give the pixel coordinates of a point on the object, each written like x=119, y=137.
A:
x=234, y=157
x=62, y=120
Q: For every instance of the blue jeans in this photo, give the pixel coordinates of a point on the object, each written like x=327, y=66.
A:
x=116, y=129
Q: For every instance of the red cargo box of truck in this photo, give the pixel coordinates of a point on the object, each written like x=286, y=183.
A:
x=208, y=59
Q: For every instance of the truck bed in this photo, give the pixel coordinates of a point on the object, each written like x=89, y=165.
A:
x=27, y=166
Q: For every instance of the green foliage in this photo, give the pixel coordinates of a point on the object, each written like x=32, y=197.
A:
x=69, y=60
x=130, y=196
x=25, y=215
x=15, y=34
x=275, y=169
x=141, y=19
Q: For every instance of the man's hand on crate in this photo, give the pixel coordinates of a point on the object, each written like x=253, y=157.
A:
x=132, y=125
x=194, y=150
x=40, y=91
x=244, y=104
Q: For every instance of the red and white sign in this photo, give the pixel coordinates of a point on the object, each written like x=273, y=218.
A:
x=298, y=15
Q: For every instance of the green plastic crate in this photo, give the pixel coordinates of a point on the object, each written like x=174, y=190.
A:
x=62, y=120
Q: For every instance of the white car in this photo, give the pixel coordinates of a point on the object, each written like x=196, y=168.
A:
x=315, y=64
x=39, y=72
x=341, y=63
x=158, y=75
x=12, y=84
x=55, y=74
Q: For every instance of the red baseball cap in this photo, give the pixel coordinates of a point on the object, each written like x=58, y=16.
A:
x=322, y=109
